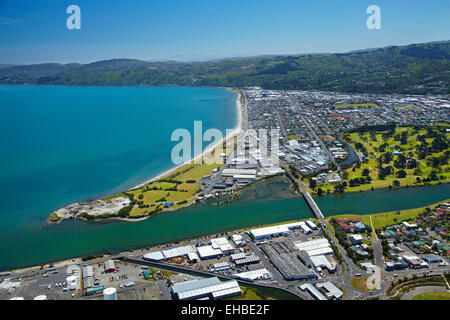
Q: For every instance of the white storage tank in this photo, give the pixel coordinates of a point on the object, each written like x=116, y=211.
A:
x=110, y=294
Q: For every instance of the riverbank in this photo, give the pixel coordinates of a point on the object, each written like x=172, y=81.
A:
x=95, y=210
x=378, y=219
x=383, y=219
x=373, y=188
x=259, y=206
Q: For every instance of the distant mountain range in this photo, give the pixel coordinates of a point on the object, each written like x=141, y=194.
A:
x=415, y=69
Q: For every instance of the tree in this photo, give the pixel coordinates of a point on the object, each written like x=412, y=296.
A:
x=396, y=183
x=365, y=172
x=433, y=176
x=401, y=174
x=125, y=211
x=319, y=191
x=312, y=183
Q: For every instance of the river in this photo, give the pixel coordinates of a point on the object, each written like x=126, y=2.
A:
x=263, y=203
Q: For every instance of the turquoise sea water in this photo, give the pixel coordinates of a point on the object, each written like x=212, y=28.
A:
x=64, y=144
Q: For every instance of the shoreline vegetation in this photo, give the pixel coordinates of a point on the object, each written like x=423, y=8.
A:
x=179, y=186
x=390, y=157
x=383, y=219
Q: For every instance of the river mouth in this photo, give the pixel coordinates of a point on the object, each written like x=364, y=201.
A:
x=75, y=238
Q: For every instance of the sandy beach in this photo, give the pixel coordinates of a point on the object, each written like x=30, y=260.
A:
x=235, y=131
x=65, y=213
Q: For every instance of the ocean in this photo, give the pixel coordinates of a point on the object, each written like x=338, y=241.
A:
x=65, y=144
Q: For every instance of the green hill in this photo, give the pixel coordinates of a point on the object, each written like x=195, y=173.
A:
x=415, y=69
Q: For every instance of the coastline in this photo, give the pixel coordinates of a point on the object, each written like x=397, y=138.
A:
x=235, y=131
x=78, y=259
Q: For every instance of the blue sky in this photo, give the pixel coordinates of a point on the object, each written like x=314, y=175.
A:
x=35, y=31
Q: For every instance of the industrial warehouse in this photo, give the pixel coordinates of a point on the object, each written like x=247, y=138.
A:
x=210, y=288
x=282, y=230
x=285, y=260
x=293, y=253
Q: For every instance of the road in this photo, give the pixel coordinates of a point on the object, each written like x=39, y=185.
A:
x=414, y=292
x=181, y=269
x=316, y=137
x=282, y=127
x=350, y=268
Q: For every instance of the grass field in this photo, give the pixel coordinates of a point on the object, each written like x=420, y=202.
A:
x=248, y=294
x=180, y=187
x=406, y=107
x=442, y=124
x=407, y=149
x=433, y=296
x=156, y=193
x=360, y=283
x=159, y=192
x=384, y=219
x=356, y=105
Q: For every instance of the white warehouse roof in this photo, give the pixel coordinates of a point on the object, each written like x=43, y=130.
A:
x=156, y=256
x=233, y=291
x=313, y=291
x=208, y=252
x=321, y=251
x=275, y=230
x=253, y=275
x=237, y=256
x=315, y=247
x=311, y=224
x=312, y=244
x=322, y=262
x=177, y=252
x=226, y=248
x=269, y=231
x=304, y=227
x=192, y=256
x=233, y=172
x=331, y=290
x=217, y=242
x=195, y=289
